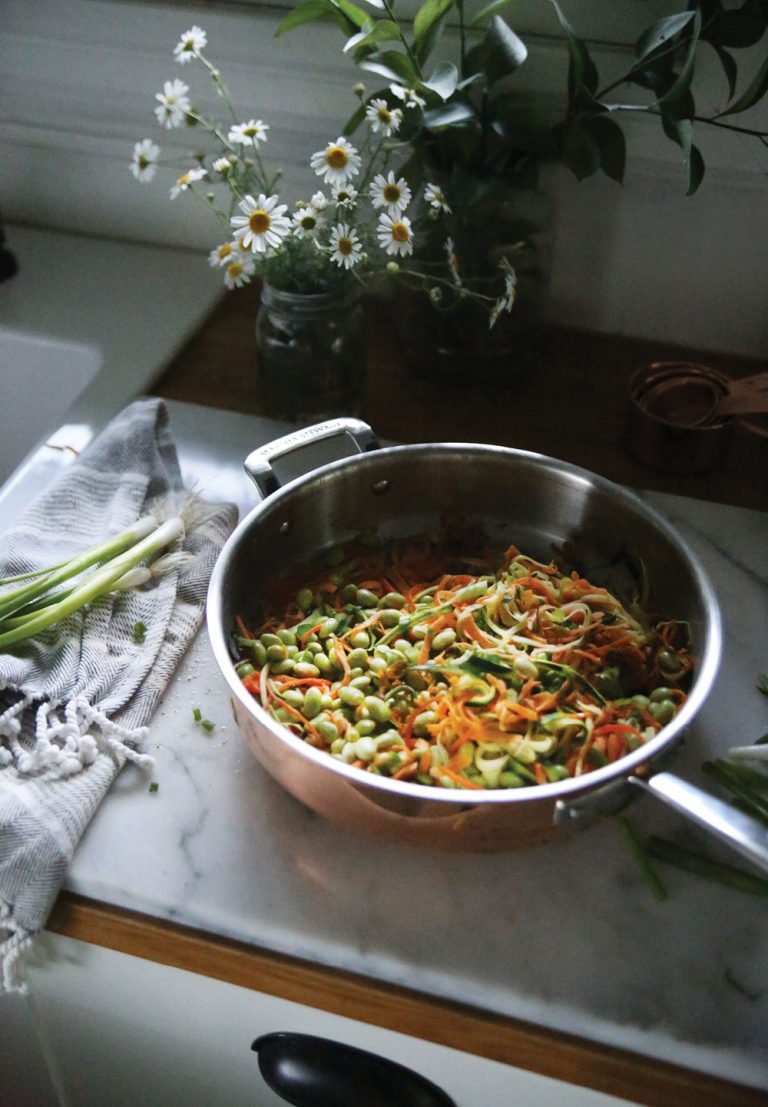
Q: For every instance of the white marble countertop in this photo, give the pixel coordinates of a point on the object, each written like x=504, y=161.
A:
x=566, y=935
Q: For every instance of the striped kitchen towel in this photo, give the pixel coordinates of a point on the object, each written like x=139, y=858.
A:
x=76, y=699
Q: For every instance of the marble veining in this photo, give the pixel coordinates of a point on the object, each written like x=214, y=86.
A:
x=566, y=935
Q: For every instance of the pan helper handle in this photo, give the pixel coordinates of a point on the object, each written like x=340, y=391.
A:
x=258, y=465
x=732, y=826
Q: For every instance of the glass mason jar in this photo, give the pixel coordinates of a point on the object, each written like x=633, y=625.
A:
x=310, y=354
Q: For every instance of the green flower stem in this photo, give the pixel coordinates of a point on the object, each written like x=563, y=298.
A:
x=391, y=13
x=11, y=602
x=97, y=584
x=462, y=39
x=221, y=88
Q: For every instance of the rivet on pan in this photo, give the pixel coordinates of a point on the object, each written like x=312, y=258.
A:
x=285, y=528
x=380, y=487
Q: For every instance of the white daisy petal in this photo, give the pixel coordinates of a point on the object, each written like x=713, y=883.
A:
x=435, y=196
x=264, y=221
x=186, y=180
x=395, y=234
x=347, y=248
x=248, y=134
x=190, y=44
x=144, y=163
x=337, y=163
x=390, y=193
x=239, y=271
x=173, y=104
x=382, y=118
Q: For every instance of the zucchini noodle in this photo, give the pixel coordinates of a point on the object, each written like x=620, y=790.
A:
x=400, y=661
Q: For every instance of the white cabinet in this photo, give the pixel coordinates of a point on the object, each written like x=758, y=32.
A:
x=122, y=1031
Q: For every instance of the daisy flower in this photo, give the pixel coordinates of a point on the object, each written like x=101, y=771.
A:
x=395, y=234
x=223, y=254
x=319, y=201
x=190, y=44
x=307, y=221
x=453, y=260
x=435, y=196
x=144, y=163
x=249, y=134
x=264, y=222
x=187, y=179
x=174, y=104
x=383, y=118
x=222, y=165
x=239, y=271
x=409, y=96
x=510, y=286
x=345, y=196
x=390, y=193
x=347, y=248
x=337, y=162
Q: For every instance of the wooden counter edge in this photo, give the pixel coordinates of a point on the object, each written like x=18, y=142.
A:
x=513, y=1042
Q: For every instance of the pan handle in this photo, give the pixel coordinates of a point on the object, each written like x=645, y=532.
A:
x=258, y=465
x=734, y=827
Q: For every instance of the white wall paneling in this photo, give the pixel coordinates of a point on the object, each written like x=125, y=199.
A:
x=77, y=85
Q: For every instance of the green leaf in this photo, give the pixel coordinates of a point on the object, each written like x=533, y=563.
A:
x=750, y=96
x=452, y=115
x=738, y=28
x=354, y=121
x=695, y=170
x=581, y=152
x=611, y=146
x=392, y=65
x=484, y=661
x=490, y=9
x=582, y=70
x=382, y=31
x=355, y=15
x=660, y=33
x=430, y=12
x=444, y=80
x=729, y=65
x=503, y=51
x=672, y=99
x=307, y=12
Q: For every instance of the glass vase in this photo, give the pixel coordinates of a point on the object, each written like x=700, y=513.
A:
x=310, y=355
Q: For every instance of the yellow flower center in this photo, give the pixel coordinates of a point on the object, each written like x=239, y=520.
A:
x=384, y=115
x=224, y=250
x=336, y=157
x=250, y=131
x=143, y=162
x=345, y=246
x=391, y=193
x=235, y=269
x=400, y=232
x=183, y=181
x=308, y=223
x=259, y=221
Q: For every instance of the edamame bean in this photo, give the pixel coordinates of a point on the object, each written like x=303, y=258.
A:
x=312, y=702
x=659, y=694
x=321, y=661
x=663, y=711
x=277, y=653
x=361, y=681
x=304, y=599
x=282, y=668
x=366, y=598
x=287, y=636
x=378, y=709
x=244, y=669
x=422, y=722
x=392, y=599
x=353, y=697
x=327, y=628
x=358, y=659
x=294, y=697
x=365, y=749
x=443, y=639
x=389, y=617
x=365, y=727
x=305, y=669
x=348, y=593
x=360, y=640
x=270, y=640
x=259, y=654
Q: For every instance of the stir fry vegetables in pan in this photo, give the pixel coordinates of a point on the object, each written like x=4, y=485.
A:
x=394, y=661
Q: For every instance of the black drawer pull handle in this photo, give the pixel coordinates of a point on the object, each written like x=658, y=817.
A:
x=307, y=1071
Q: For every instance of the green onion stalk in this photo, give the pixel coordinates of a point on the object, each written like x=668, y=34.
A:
x=116, y=561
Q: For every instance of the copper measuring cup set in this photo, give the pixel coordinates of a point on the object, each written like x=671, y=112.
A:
x=683, y=415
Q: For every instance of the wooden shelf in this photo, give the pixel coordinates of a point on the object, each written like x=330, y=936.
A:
x=569, y=401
